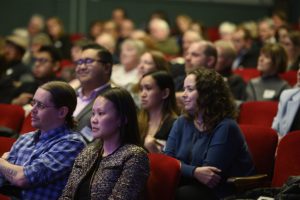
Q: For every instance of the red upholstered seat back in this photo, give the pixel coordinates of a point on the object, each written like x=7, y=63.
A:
x=287, y=161
x=262, y=143
x=5, y=144
x=260, y=113
x=247, y=73
x=11, y=116
x=2, y=197
x=164, y=177
x=290, y=77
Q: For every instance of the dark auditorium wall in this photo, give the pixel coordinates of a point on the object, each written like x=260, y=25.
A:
x=77, y=14
x=211, y=14
x=16, y=13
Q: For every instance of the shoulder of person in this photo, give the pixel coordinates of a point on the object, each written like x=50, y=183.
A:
x=227, y=123
x=132, y=149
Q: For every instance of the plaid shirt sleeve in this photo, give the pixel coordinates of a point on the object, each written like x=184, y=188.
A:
x=53, y=164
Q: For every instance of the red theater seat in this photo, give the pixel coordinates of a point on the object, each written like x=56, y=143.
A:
x=164, y=177
x=259, y=113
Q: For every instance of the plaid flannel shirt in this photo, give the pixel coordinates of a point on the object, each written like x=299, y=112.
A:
x=47, y=160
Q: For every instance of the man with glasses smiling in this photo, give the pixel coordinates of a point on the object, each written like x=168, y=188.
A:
x=93, y=71
x=39, y=163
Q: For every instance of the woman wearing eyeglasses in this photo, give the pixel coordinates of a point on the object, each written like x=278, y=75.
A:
x=114, y=166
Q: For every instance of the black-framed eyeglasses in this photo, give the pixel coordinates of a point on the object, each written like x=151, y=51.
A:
x=39, y=105
x=87, y=61
x=41, y=60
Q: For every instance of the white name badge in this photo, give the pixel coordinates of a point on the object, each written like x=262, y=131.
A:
x=269, y=94
x=265, y=198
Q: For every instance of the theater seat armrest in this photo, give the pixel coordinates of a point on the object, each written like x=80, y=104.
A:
x=248, y=182
x=7, y=132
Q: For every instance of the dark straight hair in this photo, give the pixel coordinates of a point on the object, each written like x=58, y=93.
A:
x=124, y=105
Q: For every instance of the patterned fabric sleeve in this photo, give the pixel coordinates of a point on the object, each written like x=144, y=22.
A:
x=133, y=178
x=54, y=164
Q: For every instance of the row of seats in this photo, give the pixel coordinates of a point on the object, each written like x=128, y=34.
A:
x=249, y=73
x=262, y=143
x=13, y=121
x=276, y=160
x=255, y=113
x=259, y=113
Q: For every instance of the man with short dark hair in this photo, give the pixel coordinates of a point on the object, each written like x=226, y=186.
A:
x=247, y=50
x=199, y=54
x=46, y=64
x=93, y=70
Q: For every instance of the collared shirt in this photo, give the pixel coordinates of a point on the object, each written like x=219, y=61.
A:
x=47, y=159
x=82, y=100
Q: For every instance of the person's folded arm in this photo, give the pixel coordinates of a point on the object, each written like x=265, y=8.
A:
x=224, y=148
x=54, y=164
x=13, y=173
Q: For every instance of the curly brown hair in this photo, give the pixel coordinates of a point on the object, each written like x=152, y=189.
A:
x=215, y=101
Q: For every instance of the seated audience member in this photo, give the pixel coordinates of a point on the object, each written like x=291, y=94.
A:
x=126, y=28
x=226, y=56
x=207, y=139
x=68, y=73
x=247, y=51
x=226, y=29
x=13, y=71
x=199, y=54
x=269, y=85
x=158, y=109
x=282, y=32
x=288, y=114
x=279, y=18
x=188, y=38
x=266, y=31
x=118, y=15
x=150, y=61
x=125, y=74
x=160, y=33
x=46, y=64
x=93, y=71
x=114, y=166
x=109, y=42
x=37, y=41
x=39, y=162
x=61, y=40
x=291, y=44
x=182, y=24
x=95, y=29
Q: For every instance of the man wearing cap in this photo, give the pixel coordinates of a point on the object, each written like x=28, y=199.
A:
x=13, y=70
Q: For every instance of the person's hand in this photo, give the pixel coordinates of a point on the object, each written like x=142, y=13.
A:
x=23, y=99
x=5, y=155
x=208, y=175
x=152, y=145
